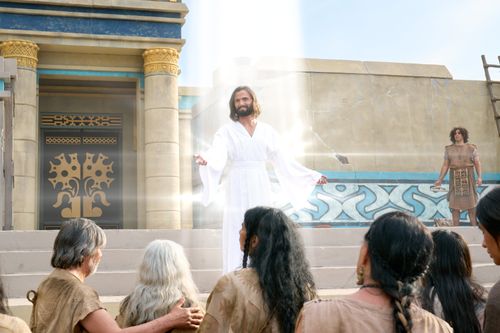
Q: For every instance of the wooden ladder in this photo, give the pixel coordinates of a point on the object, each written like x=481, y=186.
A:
x=490, y=83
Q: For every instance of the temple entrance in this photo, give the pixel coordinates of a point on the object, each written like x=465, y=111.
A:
x=81, y=171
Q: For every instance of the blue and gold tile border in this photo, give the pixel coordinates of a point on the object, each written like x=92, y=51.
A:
x=356, y=199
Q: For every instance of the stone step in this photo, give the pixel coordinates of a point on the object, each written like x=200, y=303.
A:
x=112, y=259
x=197, y=238
x=25, y=257
x=110, y=283
x=199, y=258
x=24, y=240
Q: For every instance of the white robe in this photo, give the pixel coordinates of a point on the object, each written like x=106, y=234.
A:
x=248, y=183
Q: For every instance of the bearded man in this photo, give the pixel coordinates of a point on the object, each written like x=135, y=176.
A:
x=248, y=144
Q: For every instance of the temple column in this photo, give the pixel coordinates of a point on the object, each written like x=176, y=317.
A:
x=25, y=132
x=186, y=162
x=161, y=139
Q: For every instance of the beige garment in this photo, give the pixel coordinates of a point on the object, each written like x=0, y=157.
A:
x=349, y=315
x=10, y=324
x=236, y=305
x=62, y=301
x=462, y=194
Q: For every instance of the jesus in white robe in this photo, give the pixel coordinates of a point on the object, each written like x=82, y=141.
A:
x=248, y=184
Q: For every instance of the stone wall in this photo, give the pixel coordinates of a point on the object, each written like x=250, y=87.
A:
x=391, y=120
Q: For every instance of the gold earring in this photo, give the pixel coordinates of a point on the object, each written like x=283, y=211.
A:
x=360, y=275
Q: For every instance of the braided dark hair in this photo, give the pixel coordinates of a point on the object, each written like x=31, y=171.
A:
x=400, y=248
x=280, y=262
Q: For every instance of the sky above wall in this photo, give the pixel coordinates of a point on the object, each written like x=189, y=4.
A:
x=453, y=33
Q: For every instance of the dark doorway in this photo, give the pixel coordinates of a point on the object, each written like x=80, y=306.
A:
x=81, y=173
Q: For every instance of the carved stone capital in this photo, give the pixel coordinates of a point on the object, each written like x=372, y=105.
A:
x=24, y=51
x=161, y=60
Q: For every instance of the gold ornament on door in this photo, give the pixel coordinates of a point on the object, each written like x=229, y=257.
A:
x=91, y=177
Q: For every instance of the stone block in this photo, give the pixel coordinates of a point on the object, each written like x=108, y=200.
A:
x=25, y=158
x=160, y=91
x=24, y=195
x=167, y=219
x=162, y=159
x=161, y=125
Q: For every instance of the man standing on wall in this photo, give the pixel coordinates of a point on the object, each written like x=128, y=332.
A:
x=248, y=144
x=461, y=158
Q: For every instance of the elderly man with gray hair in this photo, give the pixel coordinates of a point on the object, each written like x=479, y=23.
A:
x=63, y=303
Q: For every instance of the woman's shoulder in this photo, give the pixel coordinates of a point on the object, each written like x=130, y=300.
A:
x=424, y=320
x=12, y=324
x=495, y=290
x=326, y=305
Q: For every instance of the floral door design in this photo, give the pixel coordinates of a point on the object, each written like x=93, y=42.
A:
x=81, y=177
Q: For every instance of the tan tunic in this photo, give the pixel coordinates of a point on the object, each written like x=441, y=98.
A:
x=462, y=194
x=348, y=315
x=236, y=305
x=62, y=302
x=9, y=324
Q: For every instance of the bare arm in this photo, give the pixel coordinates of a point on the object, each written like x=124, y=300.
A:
x=323, y=180
x=442, y=173
x=100, y=321
x=199, y=160
x=477, y=165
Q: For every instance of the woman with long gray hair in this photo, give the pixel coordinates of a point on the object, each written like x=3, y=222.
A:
x=164, y=278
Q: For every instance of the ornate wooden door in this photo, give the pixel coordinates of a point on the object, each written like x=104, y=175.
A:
x=81, y=173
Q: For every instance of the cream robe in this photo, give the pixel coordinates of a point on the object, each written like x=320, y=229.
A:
x=347, y=315
x=248, y=183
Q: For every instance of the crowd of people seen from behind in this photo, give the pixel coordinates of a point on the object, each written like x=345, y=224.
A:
x=411, y=280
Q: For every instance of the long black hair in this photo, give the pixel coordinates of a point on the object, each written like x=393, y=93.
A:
x=399, y=248
x=280, y=262
x=488, y=212
x=450, y=279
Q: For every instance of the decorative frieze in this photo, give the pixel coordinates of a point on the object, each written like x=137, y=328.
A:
x=24, y=51
x=161, y=60
x=80, y=120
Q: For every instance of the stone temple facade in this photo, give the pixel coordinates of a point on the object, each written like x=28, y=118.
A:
x=101, y=128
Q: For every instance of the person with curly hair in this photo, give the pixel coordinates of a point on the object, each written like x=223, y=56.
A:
x=448, y=288
x=268, y=293
x=461, y=158
x=164, y=278
x=488, y=215
x=396, y=252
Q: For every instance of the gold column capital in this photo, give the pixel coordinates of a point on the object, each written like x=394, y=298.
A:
x=161, y=60
x=24, y=51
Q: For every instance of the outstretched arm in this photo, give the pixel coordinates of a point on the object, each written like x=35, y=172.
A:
x=100, y=321
x=199, y=160
x=323, y=180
